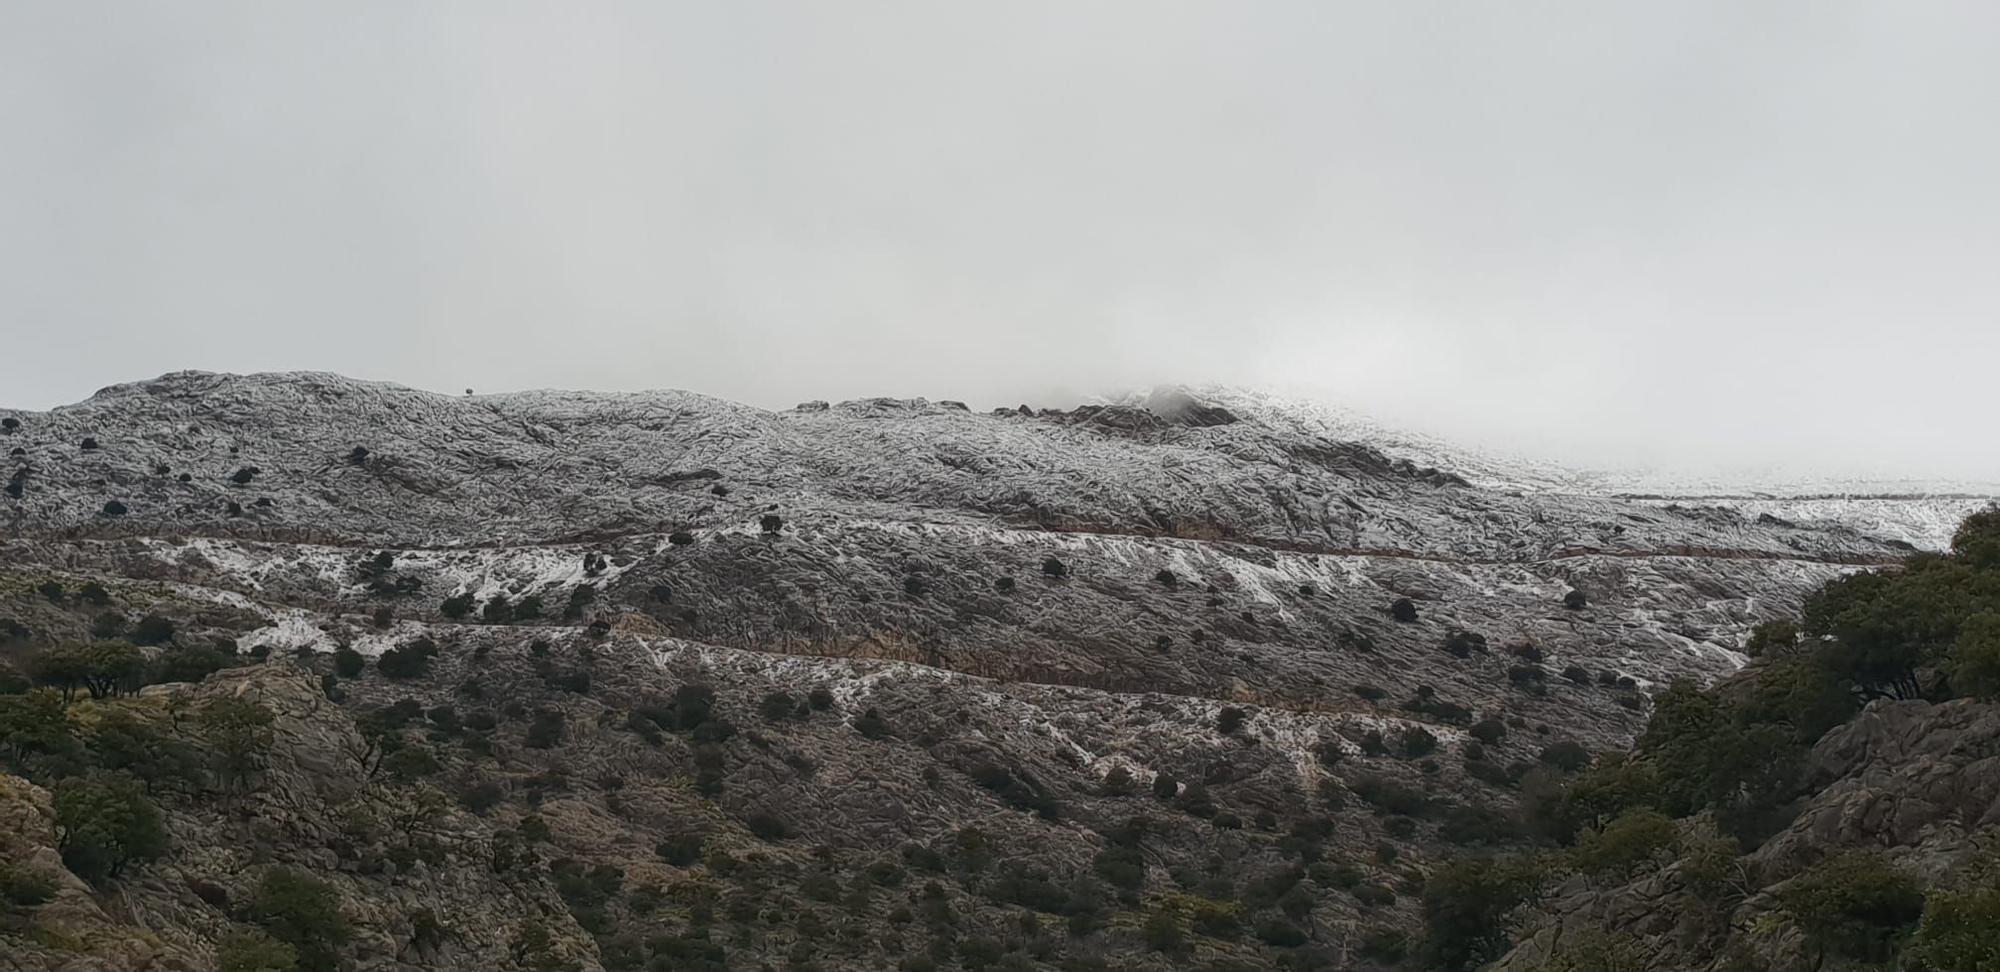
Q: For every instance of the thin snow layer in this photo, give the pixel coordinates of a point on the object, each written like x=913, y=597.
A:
x=1925, y=522
x=1241, y=555
x=482, y=572
x=291, y=629
x=1920, y=512
x=312, y=456
x=1097, y=731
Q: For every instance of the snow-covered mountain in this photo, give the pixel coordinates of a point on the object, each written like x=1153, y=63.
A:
x=1236, y=609
x=1187, y=521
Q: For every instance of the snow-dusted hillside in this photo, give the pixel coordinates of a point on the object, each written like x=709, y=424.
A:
x=1921, y=512
x=1266, y=631
x=1209, y=543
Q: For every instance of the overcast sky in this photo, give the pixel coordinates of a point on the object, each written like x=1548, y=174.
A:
x=1677, y=233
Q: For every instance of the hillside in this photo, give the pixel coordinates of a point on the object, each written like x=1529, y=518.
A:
x=574, y=680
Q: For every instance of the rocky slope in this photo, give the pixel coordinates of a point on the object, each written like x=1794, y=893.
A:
x=1222, y=557
x=1913, y=781
x=1031, y=626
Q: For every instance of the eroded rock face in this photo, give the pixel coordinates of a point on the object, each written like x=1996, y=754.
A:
x=312, y=798
x=1915, y=780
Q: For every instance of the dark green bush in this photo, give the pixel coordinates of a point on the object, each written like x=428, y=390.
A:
x=303, y=912
x=1467, y=905
x=680, y=850
x=251, y=950
x=546, y=730
x=1418, y=742
x=348, y=663
x=778, y=706
x=407, y=661
x=104, y=823
x=1635, y=840
x=1567, y=755
x=456, y=606
x=153, y=630
x=1388, y=795
x=1857, y=904
x=766, y=826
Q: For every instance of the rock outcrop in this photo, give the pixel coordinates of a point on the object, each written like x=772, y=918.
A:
x=1916, y=781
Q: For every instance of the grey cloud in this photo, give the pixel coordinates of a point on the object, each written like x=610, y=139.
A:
x=1672, y=233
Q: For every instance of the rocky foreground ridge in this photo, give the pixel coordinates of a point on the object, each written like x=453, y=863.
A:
x=1181, y=683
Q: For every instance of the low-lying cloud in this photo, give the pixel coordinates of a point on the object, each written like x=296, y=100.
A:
x=1706, y=233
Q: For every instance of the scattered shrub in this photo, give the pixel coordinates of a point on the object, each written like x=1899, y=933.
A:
x=1018, y=789
x=871, y=725
x=497, y=610
x=546, y=731
x=767, y=827
x=1462, y=644
x=1418, y=742
x=1960, y=931
x=1163, y=931
x=680, y=850
x=1372, y=743
x=1857, y=903
x=104, y=822
x=1467, y=905
x=409, y=660
x=251, y=950
x=348, y=663
x=1383, y=945
x=481, y=796
x=1489, y=731
x=1374, y=895
x=1636, y=840
x=153, y=630
x=304, y=912
x=778, y=706
x=1567, y=755
x=1388, y=795
x=1478, y=824
x=456, y=606
x=1974, y=659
